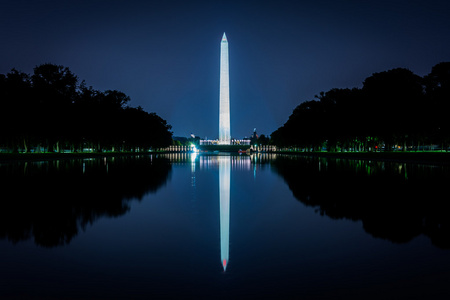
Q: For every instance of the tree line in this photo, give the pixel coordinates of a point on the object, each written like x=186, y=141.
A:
x=395, y=109
x=51, y=110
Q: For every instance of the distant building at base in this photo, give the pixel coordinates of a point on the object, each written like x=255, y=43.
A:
x=232, y=142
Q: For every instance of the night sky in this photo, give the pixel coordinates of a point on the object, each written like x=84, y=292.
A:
x=165, y=54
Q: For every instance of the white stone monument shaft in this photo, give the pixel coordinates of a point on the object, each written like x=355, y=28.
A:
x=224, y=101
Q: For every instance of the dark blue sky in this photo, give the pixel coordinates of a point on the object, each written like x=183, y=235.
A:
x=165, y=54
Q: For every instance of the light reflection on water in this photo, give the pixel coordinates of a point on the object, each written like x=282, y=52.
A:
x=224, y=190
x=293, y=227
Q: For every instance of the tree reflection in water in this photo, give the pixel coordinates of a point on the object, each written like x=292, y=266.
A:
x=51, y=201
x=394, y=201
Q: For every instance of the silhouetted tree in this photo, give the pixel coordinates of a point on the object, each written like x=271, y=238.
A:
x=263, y=140
x=394, y=99
x=17, y=110
x=395, y=107
x=55, y=90
x=52, y=110
x=438, y=100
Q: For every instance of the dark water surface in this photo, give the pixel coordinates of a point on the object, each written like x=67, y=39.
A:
x=164, y=227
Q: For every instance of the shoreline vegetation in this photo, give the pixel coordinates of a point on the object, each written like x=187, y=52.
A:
x=393, y=110
x=52, y=111
x=396, y=115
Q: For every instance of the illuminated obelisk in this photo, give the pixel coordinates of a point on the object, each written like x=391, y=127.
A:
x=224, y=101
x=224, y=190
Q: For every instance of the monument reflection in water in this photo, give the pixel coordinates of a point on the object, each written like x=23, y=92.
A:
x=224, y=163
x=224, y=190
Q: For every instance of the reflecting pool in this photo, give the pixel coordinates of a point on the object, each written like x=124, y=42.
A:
x=199, y=226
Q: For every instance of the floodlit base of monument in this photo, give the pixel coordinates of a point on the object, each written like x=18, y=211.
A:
x=232, y=142
x=214, y=145
x=223, y=148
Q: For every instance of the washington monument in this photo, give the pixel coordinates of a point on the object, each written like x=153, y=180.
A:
x=224, y=101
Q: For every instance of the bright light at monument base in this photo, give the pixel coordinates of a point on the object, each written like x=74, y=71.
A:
x=232, y=142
